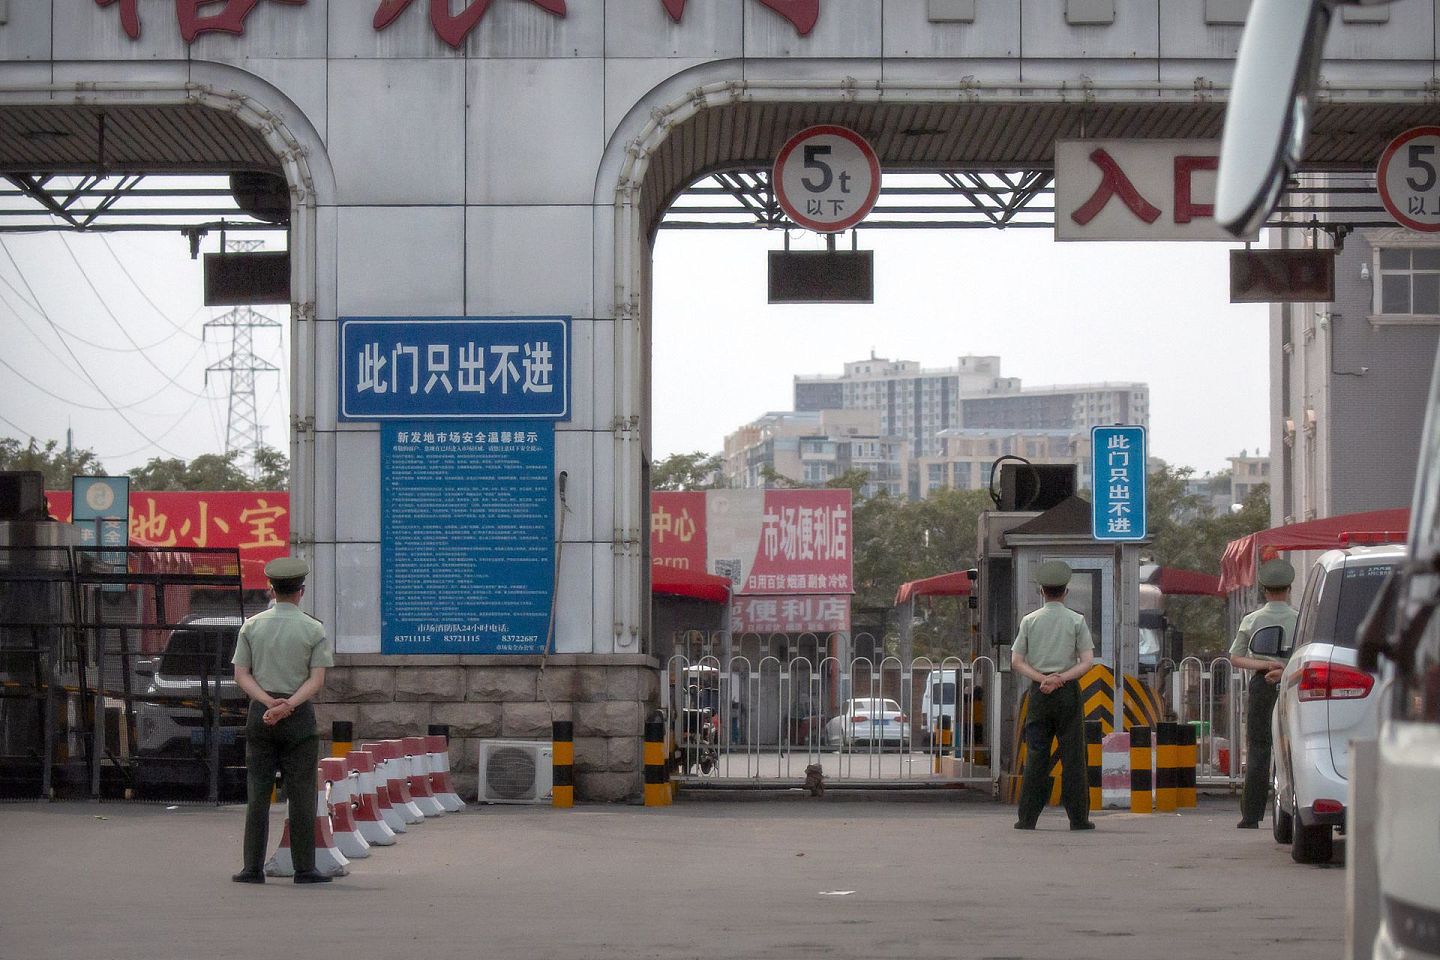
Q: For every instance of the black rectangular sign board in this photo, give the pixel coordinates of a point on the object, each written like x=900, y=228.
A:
x=1282, y=276
x=822, y=276
x=239, y=279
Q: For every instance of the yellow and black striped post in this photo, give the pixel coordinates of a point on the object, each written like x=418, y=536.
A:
x=1094, y=736
x=657, y=784
x=1188, y=756
x=562, y=770
x=342, y=737
x=1141, y=799
x=1167, y=736
x=947, y=740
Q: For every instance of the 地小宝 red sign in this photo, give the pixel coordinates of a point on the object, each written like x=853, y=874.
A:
x=258, y=523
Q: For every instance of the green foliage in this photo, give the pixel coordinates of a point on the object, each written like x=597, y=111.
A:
x=688, y=471
x=273, y=468
x=1187, y=533
x=52, y=460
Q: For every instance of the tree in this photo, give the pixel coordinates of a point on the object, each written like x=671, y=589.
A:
x=209, y=471
x=57, y=464
x=688, y=471
x=273, y=468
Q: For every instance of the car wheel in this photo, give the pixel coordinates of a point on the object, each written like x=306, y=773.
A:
x=1311, y=844
x=1282, y=824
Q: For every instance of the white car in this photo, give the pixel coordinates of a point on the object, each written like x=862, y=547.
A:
x=172, y=735
x=871, y=722
x=1325, y=699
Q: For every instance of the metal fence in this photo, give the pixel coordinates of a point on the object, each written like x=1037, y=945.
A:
x=764, y=719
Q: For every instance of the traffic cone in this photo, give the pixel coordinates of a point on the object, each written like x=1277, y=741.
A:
x=348, y=838
x=368, y=819
x=439, y=757
x=419, y=777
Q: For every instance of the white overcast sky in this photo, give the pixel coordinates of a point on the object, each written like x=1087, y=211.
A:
x=89, y=339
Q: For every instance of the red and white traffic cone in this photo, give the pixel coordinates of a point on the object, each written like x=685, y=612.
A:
x=328, y=860
x=419, y=777
x=348, y=838
x=393, y=816
x=368, y=819
x=397, y=783
x=438, y=749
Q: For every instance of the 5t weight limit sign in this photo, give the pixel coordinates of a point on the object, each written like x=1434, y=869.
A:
x=1409, y=179
x=827, y=178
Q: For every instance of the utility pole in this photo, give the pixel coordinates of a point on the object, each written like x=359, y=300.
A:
x=242, y=422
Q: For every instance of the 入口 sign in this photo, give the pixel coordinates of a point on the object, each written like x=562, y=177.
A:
x=1136, y=190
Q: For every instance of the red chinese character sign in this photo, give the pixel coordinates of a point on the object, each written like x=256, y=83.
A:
x=1409, y=179
x=223, y=16
x=677, y=530
x=1136, y=190
x=826, y=178
x=802, y=14
x=787, y=614
x=257, y=523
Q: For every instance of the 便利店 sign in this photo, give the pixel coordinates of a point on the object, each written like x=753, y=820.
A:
x=1136, y=190
x=512, y=368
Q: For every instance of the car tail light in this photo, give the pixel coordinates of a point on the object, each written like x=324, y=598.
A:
x=1327, y=681
x=859, y=719
x=1328, y=806
x=902, y=719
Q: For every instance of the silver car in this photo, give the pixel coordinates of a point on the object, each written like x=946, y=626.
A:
x=1325, y=699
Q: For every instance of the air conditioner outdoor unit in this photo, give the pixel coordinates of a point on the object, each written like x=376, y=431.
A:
x=515, y=771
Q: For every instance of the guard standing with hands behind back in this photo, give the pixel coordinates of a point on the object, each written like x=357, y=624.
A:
x=1275, y=577
x=280, y=660
x=1054, y=649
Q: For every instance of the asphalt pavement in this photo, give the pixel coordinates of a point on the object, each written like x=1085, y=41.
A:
x=787, y=878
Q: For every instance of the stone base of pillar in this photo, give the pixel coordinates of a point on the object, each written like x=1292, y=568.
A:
x=504, y=697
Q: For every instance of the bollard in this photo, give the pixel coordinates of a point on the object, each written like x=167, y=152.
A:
x=1094, y=738
x=1167, y=736
x=1185, y=772
x=947, y=739
x=562, y=772
x=342, y=737
x=1141, y=799
x=657, y=784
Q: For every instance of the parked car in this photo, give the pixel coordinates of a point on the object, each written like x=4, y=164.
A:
x=1325, y=699
x=868, y=722
x=193, y=671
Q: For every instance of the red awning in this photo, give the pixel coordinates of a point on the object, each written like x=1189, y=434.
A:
x=1237, y=566
x=691, y=584
x=946, y=585
x=1173, y=582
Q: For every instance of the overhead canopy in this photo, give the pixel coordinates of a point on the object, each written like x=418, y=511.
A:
x=1237, y=566
x=946, y=585
x=691, y=584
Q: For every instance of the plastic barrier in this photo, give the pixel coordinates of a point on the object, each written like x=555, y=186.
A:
x=419, y=777
x=368, y=818
x=328, y=859
x=392, y=767
x=437, y=746
x=348, y=838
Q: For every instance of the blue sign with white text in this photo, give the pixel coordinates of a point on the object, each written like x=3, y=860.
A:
x=1118, y=459
x=434, y=368
x=467, y=536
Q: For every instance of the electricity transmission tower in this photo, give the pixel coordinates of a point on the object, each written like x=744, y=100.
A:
x=242, y=423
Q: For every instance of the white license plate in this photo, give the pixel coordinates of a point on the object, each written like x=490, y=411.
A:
x=227, y=736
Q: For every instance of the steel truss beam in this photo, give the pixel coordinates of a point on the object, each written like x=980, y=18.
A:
x=105, y=203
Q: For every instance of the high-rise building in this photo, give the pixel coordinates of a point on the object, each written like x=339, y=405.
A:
x=813, y=447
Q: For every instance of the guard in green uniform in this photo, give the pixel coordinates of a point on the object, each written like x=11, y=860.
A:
x=280, y=660
x=1275, y=577
x=1054, y=650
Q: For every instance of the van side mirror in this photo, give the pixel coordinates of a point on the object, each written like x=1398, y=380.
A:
x=1266, y=118
x=1269, y=642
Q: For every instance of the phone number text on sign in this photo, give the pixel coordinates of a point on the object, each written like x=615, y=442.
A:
x=826, y=178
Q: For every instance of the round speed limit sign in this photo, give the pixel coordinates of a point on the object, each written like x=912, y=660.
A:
x=1409, y=179
x=826, y=178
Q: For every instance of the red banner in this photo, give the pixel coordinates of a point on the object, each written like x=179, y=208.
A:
x=677, y=530
x=257, y=523
x=781, y=614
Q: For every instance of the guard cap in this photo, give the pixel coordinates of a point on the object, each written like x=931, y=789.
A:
x=287, y=568
x=1053, y=573
x=1276, y=574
